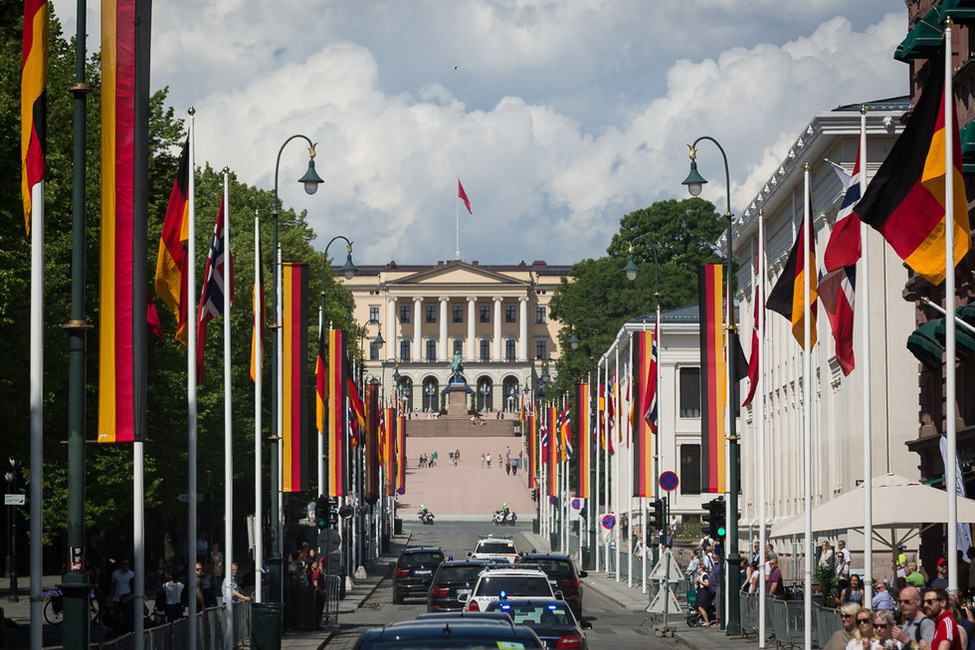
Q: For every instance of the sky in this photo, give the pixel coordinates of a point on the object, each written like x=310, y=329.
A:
x=558, y=116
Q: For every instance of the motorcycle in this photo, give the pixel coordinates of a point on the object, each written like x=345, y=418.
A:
x=426, y=518
x=500, y=519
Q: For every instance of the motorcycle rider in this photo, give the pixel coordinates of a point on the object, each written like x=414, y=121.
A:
x=505, y=512
x=423, y=511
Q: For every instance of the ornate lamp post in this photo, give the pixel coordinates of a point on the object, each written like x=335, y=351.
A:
x=311, y=180
x=695, y=183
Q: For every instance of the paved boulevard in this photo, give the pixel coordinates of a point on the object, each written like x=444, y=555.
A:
x=612, y=626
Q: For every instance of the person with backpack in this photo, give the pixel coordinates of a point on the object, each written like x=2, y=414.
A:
x=916, y=626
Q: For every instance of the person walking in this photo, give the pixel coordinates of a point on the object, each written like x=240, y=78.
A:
x=917, y=626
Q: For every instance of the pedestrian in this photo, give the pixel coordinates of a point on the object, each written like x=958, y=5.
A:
x=916, y=625
x=173, y=607
x=843, y=562
x=946, y=635
x=121, y=587
x=487, y=457
x=507, y=467
x=500, y=460
x=773, y=582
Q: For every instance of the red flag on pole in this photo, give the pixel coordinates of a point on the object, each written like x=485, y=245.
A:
x=462, y=195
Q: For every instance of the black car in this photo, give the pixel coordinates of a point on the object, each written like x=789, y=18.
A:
x=550, y=618
x=449, y=633
x=414, y=571
x=562, y=575
x=452, y=578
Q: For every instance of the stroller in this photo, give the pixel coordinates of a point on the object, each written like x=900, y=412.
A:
x=694, y=617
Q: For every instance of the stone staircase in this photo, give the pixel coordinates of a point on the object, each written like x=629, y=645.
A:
x=445, y=427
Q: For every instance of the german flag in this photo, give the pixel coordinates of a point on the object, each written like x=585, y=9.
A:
x=585, y=440
x=388, y=449
x=905, y=202
x=370, y=446
x=644, y=377
x=321, y=380
x=171, y=261
x=401, y=454
x=553, y=451
x=294, y=335
x=337, y=447
x=714, y=378
x=788, y=295
x=124, y=205
x=33, y=99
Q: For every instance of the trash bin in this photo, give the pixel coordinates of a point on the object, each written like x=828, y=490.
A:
x=554, y=541
x=536, y=526
x=301, y=608
x=397, y=526
x=266, y=626
x=587, y=559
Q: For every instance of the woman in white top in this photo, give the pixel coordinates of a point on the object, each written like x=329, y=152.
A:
x=826, y=558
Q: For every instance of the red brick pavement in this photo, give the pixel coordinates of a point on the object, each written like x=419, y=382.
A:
x=467, y=488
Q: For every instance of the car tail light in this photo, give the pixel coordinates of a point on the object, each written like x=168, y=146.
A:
x=402, y=573
x=439, y=592
x=570, y=641
x=572, y=584
x=473, y=607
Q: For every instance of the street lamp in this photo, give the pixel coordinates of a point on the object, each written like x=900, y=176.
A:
x=311, y=180
x=484, y=389
x=695, y=183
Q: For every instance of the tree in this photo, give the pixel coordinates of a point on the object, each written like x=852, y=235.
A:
x=599, y=296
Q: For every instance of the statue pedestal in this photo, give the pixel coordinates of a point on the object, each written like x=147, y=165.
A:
x=457, y=401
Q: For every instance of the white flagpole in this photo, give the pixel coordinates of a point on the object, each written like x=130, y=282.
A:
x=594, y=502
x=457, y=219
x=279, y=341
x=191, y=316
x=760, y=419
x=228, y=439
x=950, y=327
x=138, y=543
x=36, y=410
x=258, y=381
x=863, y=296
x=807, y=406
x=616, y=473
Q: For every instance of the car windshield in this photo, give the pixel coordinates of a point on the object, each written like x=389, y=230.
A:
x=534, y=613
x=553, y=566
x=422, y=558
x=458, y=573
x=514, y=586
x=496, y=547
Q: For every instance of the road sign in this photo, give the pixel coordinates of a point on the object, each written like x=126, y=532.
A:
x=608, y=522
x=553, y=499
x=577, y=504
x=185, y=497
x=668, y=481
x=401, y=491
x=14, y=499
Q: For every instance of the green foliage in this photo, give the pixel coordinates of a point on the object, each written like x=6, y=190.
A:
x=600, y=299
x=108, y=498
x=826, y=581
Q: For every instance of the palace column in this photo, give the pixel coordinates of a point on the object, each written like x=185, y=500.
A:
x=469, y=347
x=392, y=348
x=523, y=329
x=442, y=354
x=416, y=354
x=498, y=353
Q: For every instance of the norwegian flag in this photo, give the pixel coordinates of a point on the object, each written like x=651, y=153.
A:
x=212, y=299
x=651, y=415
x=843, y=248
x=543, y=435
x=567, y=450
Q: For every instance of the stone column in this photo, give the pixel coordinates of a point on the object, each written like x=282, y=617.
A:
x=523, y=329
x=391, y=343
x=498, y=352
x=469, y=346
x=416, y=354
x=443, y=354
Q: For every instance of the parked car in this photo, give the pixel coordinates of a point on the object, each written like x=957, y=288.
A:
x=562, y=575
x=495, y=547
x=452, y=578
x=551, y=620
x=449, y=633
x=414, y=571
x=497, y=582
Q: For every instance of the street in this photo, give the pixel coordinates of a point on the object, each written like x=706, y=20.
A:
x=612, y=626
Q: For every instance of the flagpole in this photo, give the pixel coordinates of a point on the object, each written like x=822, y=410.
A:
x=279, y=371
x=594, y=502
x=191, y=383
x=807, y=406
x=228, y=440
x=760, y=417
x=616, y=473
x=457, y=220
x=864, y=296
x=258, y=413
x=950, y=327
x=36, y=410
x=138, y=543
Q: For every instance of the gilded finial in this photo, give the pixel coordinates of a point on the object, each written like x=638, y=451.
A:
x=311, y=150
x=192, y=111
x=863, y=109
x=691, y=153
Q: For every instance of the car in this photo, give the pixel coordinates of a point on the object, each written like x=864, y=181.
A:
x=551, y=620
x=562, y=575
x=449, y=633
x=495, y=547
x=503, y=582
x=452, y=578
x=414, y=571
x=466, y=616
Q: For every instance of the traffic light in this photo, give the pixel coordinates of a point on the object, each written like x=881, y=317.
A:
x=713, y=523
x=321, y=512
x=656, y=515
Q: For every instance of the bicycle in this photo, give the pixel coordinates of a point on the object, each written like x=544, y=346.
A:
x=54, y=606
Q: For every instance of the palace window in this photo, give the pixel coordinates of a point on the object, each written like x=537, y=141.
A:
x=431, y=350
x=485, y=350
x=541, y=349
x=485, y=311
x=510, y=314
x=690, y=392
x=405, y=312
x=431, y=313
x=509, y=349
x=540, y=315
x=404, y=350
x=374, y=313
x=458, y=313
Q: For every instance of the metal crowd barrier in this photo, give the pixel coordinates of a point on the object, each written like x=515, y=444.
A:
x=333, y=589
x=173, y=636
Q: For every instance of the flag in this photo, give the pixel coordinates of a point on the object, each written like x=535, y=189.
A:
x=337, y=448
x=553, y=464
x=357, y=412
x=123, y=265
x=651, y=416
x=843, y=248
x=212, y=299
x=294, y=356
x=462, y=195
x=401, y=454
x=787, y=295
x=370, y=446
x=172, y=257
x=152, y=320
x=585, y=440
x=644, y=372
x=905, y=202
x=753, y=361
x=33, y=99
x=258, y=305
x=321, y=379
x=567, y=450
x=533, y=450
x=714, y=378
x=612, y=420
x=836, y=291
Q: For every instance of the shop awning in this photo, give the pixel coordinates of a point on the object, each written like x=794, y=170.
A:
x=924, y=39
x=964, y=338
x=959, y=10
x=923, y=344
